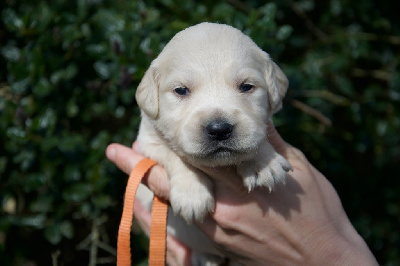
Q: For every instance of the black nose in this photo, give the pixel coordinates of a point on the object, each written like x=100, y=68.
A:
x=219, y=130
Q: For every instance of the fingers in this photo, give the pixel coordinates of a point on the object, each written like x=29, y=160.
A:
x=126, y=158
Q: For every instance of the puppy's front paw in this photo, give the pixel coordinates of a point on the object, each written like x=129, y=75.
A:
x=265, y=171
x=192, y=197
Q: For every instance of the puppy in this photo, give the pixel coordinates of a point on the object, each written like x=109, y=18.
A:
x=205, y=101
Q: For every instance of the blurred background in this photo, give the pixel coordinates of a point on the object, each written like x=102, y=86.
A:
x=68, y=74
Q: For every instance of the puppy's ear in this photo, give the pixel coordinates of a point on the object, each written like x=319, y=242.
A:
x=277, y=85
x=147, y=93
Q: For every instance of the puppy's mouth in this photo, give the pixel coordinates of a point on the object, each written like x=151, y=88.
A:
x=221, y=154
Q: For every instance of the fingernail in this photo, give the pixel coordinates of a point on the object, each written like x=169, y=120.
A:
x=110, y=153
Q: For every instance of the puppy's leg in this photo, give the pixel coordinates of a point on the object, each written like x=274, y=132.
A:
x=267, y=169
x=190, y=189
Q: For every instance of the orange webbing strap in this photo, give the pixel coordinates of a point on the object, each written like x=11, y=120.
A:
x=158, y=221
x=158, y=232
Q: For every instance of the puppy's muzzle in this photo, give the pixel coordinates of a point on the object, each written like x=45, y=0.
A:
x=219, y=130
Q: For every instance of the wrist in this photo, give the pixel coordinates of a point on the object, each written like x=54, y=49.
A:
x=340, y=248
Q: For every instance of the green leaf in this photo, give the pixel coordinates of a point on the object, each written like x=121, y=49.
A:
x=82, y=8
x=66, y=229
x=71, y=143
x=16, y=134
x=43, y=17
x=43, y=204
x=11, y=20
x=100, y=141
x=64, y=74
x=48, y=119
x=97, y=50
x=102, y=201
x=43, y=87
x=72, y=108
x=25, y=159
x=72, y=174
x=35, y=221
x=103, y=69
x=20, y=86
x=11, y=53
x=53, y=234
x=78, y=192
x=33, y=181
x=268, y=11
x=109, y=21
x=284, y=32
x=70, y=33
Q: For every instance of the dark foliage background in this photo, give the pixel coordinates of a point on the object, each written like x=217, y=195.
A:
x=68, y=73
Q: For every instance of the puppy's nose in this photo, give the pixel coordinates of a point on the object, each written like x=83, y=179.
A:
x=219, y=130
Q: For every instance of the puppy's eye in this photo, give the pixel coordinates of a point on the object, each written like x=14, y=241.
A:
x=182, y=91
x=246, y=87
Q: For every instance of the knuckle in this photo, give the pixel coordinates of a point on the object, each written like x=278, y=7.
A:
x=225, y=217
x=157, y=181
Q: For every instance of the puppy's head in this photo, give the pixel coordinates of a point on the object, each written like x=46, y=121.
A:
x=210, y=93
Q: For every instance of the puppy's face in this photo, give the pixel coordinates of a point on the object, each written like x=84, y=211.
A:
x=210, y=93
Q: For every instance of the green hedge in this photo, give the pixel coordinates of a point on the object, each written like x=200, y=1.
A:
x=68, y=73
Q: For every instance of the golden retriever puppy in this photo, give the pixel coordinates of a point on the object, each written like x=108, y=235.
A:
x=205, y=101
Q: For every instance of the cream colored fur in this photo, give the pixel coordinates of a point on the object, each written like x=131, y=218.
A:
x=213, y=61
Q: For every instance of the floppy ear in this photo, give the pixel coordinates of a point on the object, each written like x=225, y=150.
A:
x=277, y=85
x=147, y=93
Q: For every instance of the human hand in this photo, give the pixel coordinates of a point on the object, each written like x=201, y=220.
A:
x=301, y=222
x=126, y=159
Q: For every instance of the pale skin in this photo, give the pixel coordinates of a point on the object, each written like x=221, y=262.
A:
x=299, y=223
